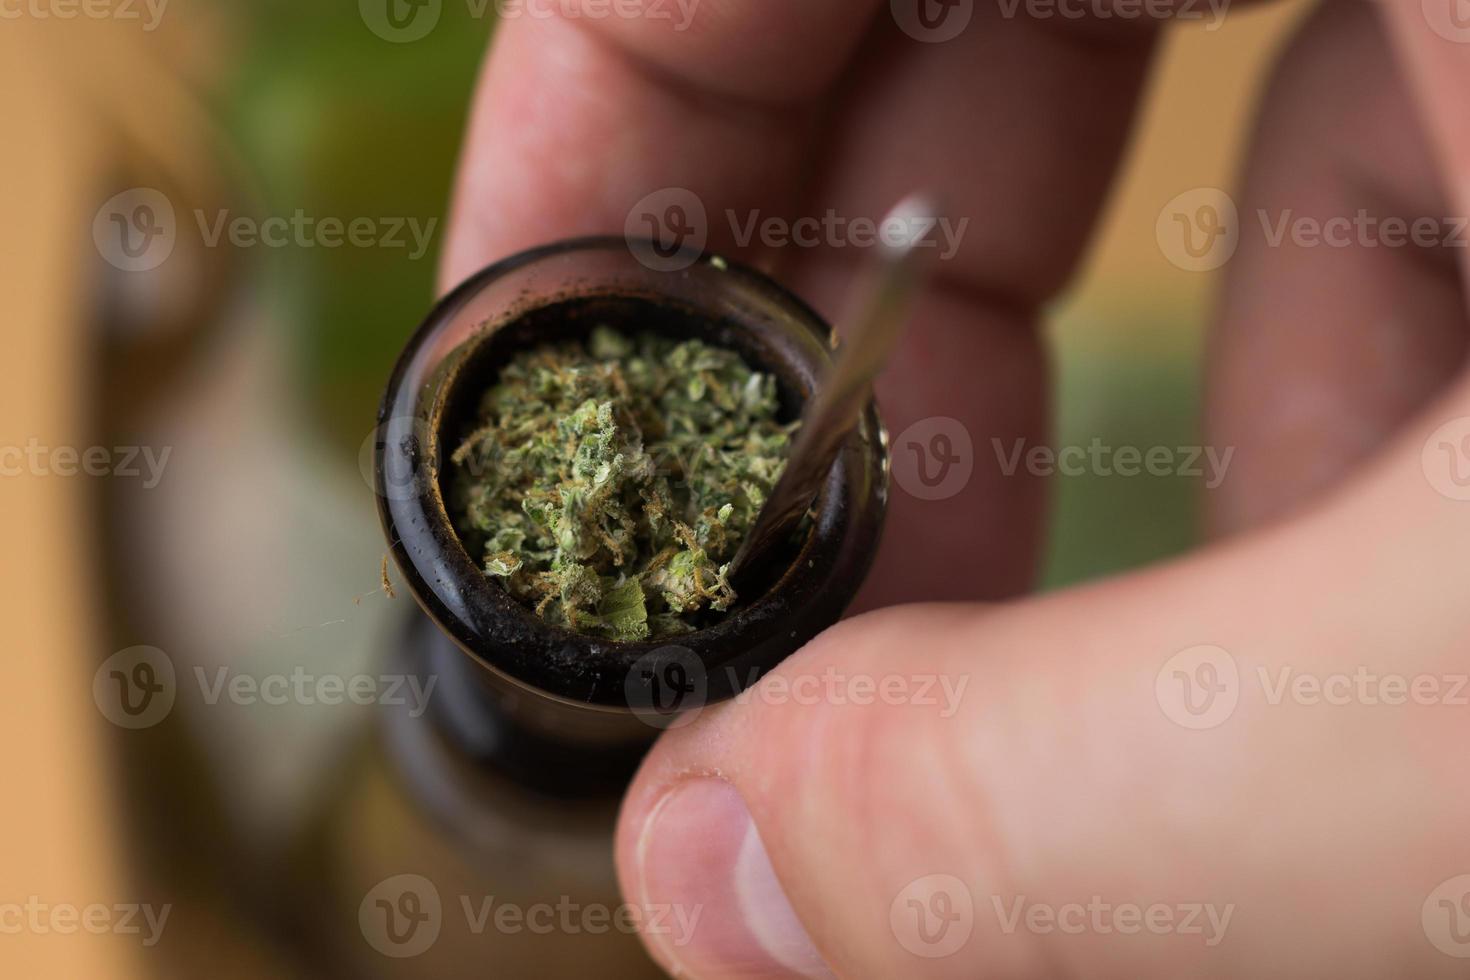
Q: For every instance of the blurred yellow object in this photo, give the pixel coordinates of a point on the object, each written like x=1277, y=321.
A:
x=1192, y=131
x=56, y=842
x=88, y=101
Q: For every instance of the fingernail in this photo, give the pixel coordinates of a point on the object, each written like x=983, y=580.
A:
x=704, y=871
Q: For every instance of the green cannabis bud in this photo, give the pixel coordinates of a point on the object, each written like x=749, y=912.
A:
x=609, y=483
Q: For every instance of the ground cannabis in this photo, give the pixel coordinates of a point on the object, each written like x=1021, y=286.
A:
x=610, y=482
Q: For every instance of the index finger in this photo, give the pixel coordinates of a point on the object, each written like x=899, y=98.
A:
x=578, y=118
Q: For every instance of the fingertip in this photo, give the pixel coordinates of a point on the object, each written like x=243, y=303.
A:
x=696, y=867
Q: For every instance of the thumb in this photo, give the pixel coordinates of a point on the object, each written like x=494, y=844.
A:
x=786, y=813
x=1036, y=789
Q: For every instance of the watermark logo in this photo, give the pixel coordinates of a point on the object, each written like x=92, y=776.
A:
x=1445, y=917
x=401, y=916
x=135, y=688
x=136, y=231
x=667, y=688
x=933, y=916
x=401, y=21
x=667, y=230
x=1450, y=19
x=1446, y=459
x=933, y=21
x=1199, y=230
x=402, y=458
x=934, y=458
x=1198, y=688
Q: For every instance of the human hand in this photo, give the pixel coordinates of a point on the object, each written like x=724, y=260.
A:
x=1297, y=836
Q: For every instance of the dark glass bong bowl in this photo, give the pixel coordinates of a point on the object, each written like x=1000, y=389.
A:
x=506, y=789
x=563, y=711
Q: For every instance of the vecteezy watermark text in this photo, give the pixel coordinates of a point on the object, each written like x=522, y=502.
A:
x=124, y=462
x=1363, y=686
x=570, y=917
x=137, y=688
x=301, y=687
x=1200, y=687
x=1099, y=459
x=302, y=230
x=934, y=917
x=836, y=687
x=41, y=918
x=1201, y=229
x=405, y=21
x=832, y=230
x=403, y=917
x=937, y=21
x=137, y=230
x=1102, y=918
x=1362, y=229
x=1211, y=12
x=148, y=13
x=668, y=230
x=669, y=687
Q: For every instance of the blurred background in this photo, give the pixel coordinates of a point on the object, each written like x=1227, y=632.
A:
x=259, y=368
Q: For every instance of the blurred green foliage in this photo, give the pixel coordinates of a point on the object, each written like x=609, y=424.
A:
x=337, y=122
x=1123, y=394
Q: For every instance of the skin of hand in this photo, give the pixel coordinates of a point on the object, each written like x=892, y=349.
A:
x=1125, y=778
